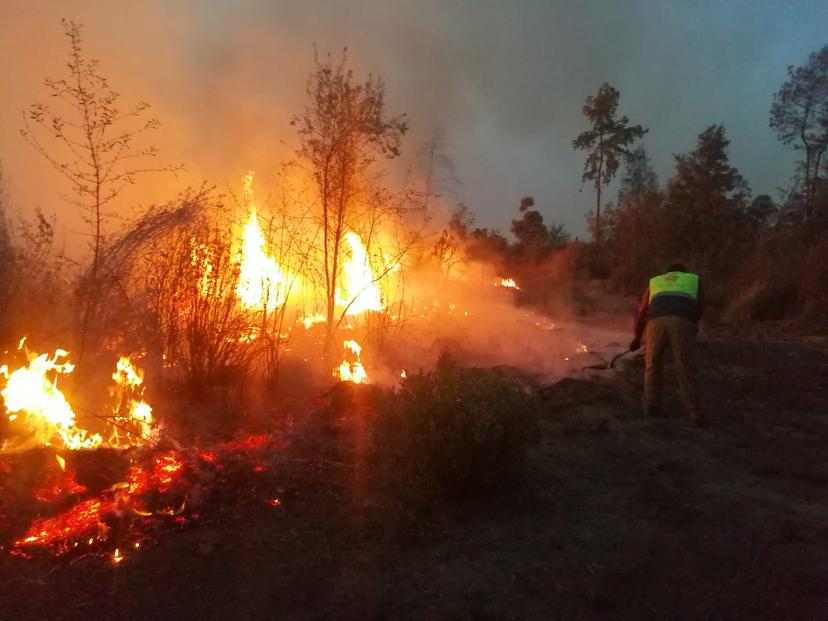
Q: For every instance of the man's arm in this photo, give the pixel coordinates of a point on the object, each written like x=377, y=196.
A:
x=640, y=321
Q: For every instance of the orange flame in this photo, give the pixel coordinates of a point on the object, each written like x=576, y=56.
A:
x=311, y=320
x=201, y=257
x=263, y=284
x=351, y=370
x=261, y=281
x=33, y=392
x=132, y=412
x=36, y=405
x=359, y=291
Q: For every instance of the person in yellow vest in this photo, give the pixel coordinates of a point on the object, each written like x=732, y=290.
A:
x=667, y=316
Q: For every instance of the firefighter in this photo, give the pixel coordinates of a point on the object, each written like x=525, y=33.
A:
x=669, y=311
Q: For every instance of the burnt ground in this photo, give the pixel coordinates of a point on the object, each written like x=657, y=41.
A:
x=622, y=517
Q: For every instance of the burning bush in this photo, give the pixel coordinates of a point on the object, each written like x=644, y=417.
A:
x=455, y=432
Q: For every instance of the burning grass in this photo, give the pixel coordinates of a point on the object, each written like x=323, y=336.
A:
x=453, y=432
x=39, y=412
x=68, y=490
x=232, y=309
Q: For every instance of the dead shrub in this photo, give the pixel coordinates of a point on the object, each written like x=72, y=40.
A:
x=785, y=277
x=813, y=284
x=171, y=292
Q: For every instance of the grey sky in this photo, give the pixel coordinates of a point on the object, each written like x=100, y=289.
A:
x=506, y=80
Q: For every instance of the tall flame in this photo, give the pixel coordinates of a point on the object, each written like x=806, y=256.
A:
x=262, y=282
x=359, y=291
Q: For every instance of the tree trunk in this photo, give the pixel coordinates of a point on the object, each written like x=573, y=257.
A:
x=598, y=214
x=808, y=183
x=92, y=284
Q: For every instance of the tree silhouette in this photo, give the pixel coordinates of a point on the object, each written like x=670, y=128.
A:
x=606, y=141
x=800, y=117
x=534, y=240
x=707, y=200
x=639, y=178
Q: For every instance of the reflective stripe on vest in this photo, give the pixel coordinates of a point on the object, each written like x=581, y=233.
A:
x=682, y=284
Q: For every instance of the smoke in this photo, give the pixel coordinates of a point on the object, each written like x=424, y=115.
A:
x=506, y=80
x=473, y=316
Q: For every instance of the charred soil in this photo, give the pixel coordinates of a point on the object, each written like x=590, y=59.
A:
x=621, y=517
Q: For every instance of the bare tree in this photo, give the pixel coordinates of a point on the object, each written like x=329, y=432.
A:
x=342, y=132
x=86, y=137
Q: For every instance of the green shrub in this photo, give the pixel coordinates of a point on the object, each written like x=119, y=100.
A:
x=455, y=432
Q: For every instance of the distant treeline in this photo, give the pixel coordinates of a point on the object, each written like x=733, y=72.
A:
x=763, y=258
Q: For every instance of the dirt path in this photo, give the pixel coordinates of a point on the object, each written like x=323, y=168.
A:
x=623, y=518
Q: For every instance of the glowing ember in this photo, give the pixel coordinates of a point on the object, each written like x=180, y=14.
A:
x=81, y=520
x=209, y=456
x=250, y=443
x=351, y=369
x=403, y=374
x=582, y=348
x=168, y=466
x=547, y=325
x=509, y=282
x=33, y=392
x=165, y=469
x=58, y=485
x=157, y=487
x=359, y=291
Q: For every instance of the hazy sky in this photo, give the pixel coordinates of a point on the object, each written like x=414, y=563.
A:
x=506, y=79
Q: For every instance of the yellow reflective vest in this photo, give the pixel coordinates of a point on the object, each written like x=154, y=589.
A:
x=674, y=293
x=682, y=284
